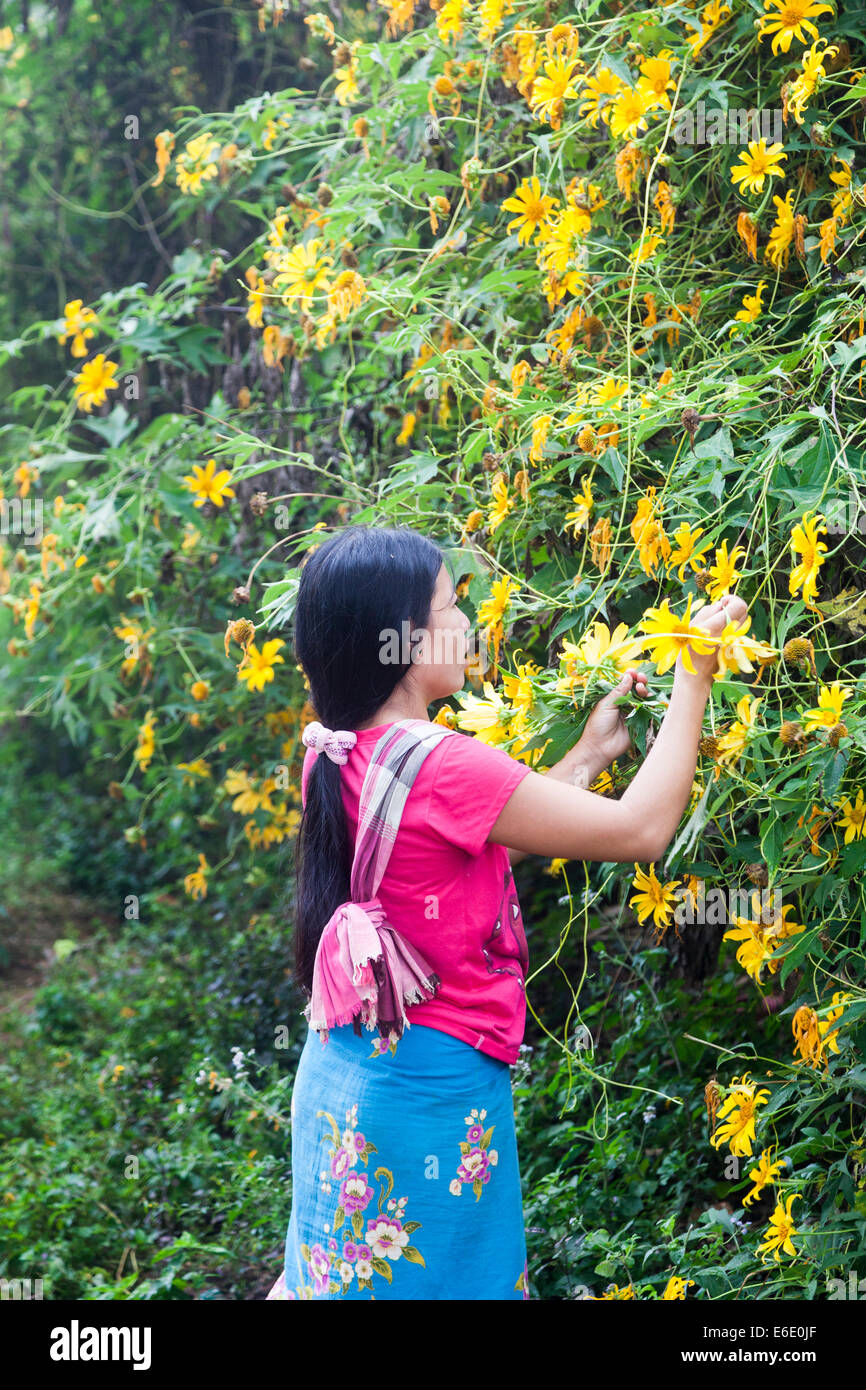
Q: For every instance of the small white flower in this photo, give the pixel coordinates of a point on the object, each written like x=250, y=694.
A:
x=347, y=1273
x=364, y=1269
x=455, y=1187
x=493, y=1156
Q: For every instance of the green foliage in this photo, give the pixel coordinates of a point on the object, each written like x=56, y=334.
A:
x=309, y=304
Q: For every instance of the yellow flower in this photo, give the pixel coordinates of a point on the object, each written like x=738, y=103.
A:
x=782, y=232
x=492, y=610
x=247, y=798
x=599, y=543
x=199, y=690
x=686, y=550
x=274, y=346
x=736, y=650
x=646, y=247
x=94, y=381
x=23, y=476
x=713, y=16
x=519, y=373
x=842, y=200
x=781, y=1227
x=130, y=631
x=488, y=719
x=654, y=899
x=758, y=163
x=197, y=163
x=472, y=522
x=737, y=1112
x=598, y=649
x=752, y=305
x=144, y=749
x=520, y=692
x=628, y=114
x=501, y=503
x=648, y=534
x=195, y=884
x=664, y=206
x=804, y=542
x=491, y=14
x=668, y=637
x=164, y=145
x=803, y=88
x=724, y=571
x=449, y=20
x=601, y=85
x=407, y=428
x=628, y=162
x=583, y=503
x=764, y=1175
x=32, y=610
x=655, y=81
x=756, y=949
x=549, y=93
x=256, y=296
x=260, y=667
x=829, y=711
x=555, y=867
x=853, y=816
x=533, y=209
x=540, y=426
x=198, y=768
x=77, y=326
x=610, y=393
x=793, y=18
x=346, y=90
x=748, y=234
x=733, y=742
x=346, y=293
x=208, y=485
x=302, y=271
x=676, y=1288
x=828, y=229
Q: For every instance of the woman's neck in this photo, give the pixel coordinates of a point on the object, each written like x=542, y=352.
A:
x=406, y=705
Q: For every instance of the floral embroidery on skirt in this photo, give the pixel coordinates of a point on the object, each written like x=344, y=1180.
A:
x=372, y=1213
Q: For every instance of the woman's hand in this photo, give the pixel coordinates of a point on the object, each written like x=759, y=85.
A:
x=713, y=620
x=605, y=735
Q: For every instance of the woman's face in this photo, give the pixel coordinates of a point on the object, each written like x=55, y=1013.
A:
x=441, y=653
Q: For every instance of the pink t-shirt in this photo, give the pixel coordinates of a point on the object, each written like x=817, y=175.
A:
x=449, y=892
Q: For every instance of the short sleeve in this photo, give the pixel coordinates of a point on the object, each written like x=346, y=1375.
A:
x=472, y=783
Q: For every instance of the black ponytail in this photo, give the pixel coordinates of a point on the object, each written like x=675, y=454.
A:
x=357, y=584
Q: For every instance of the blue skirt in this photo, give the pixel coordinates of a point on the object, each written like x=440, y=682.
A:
x=405, y=1178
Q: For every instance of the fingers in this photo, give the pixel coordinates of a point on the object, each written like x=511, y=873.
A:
x=640, y=680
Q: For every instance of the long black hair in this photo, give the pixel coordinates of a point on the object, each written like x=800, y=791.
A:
x=358, y=583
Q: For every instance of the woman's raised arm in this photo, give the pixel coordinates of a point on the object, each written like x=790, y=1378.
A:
x=548, y=817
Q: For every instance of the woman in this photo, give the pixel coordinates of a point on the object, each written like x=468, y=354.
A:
x=405, y=1177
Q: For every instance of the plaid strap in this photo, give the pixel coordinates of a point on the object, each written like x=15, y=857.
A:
x=391, y=772
x=365, y=971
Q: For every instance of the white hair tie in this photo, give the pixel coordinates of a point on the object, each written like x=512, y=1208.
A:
x=336, y=743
